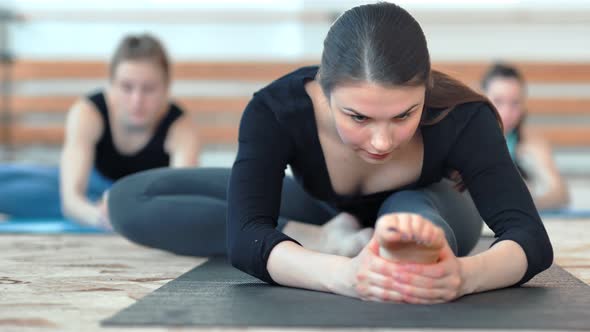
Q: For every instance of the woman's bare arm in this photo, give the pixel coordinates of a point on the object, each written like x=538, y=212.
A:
x=547, y=186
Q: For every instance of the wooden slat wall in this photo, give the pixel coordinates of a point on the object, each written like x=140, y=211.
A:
x=241, y=71
x=212, y=132
x=235, y=105
x=52, y=134
x=572, y=136
x=61, y=104
x=539, y=72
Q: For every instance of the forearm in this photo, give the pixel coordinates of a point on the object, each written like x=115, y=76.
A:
x=502, y=265
x=292, y=265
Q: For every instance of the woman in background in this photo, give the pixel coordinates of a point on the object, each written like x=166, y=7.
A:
x=128, y=127
x=505, y=86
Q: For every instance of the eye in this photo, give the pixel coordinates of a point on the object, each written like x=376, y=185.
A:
x=127, y=87
x=404, y=116
x=358, y=118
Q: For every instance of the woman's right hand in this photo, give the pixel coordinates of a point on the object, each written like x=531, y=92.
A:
x=370, y=277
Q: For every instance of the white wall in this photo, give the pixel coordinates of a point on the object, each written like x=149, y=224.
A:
x=294, y=29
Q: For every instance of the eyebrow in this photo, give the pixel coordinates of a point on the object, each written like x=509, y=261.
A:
x=401, y=115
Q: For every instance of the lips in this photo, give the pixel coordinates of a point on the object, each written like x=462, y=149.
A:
x=377, y=156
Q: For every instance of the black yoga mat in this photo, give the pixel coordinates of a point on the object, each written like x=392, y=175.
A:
x=217, y=295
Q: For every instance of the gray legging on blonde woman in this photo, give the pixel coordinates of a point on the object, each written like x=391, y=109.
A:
x=184, y=210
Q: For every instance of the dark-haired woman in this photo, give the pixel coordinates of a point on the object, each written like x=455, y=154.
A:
x=369, y=136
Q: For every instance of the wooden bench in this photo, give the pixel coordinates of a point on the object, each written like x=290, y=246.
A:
x=17, y=132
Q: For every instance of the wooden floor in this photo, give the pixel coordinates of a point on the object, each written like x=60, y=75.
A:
x=71, y=282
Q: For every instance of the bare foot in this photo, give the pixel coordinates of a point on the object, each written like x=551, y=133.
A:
x=407, y=237
x=343, y=236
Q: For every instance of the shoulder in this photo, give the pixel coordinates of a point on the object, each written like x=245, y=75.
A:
x=465, y=113
x=98, y=99
x=84, y=110
x=464, y=128
x=175, y=110
x=470, y=115
x=183, y=126
x=84, y=122
x=287, y=92
x=281, y=109
x=183, y=135
x=287, y=81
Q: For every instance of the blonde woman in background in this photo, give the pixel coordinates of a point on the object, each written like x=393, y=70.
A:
x=128, y=127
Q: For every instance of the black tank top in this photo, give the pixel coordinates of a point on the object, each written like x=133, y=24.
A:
x=114, y=165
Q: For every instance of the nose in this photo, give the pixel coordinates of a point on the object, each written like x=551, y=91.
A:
x=382, y=139
x=136, y=98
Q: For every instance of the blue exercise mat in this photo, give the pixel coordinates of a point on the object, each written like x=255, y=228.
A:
x=566, y=213
x=46, y=226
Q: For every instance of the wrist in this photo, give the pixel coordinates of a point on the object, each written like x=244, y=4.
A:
x=471, y=267
x=341, y=279
x=96, y=219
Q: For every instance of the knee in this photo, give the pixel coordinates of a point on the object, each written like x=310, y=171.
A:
x=409, y=201
x=449, y=233
x=420, y=203
x=124, y=210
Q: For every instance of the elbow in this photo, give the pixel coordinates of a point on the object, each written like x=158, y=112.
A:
x=245, y=257
x=233, y=251
x=562, y=195
x=232, y=254
x=559, y=194
x=238, y=258
x=548, y=257
x=539, y=258
x=545, y=253
x=234, y=259
x=556, y=198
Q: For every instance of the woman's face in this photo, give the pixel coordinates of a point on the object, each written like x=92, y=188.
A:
x=375, y=120
x=508, y=95
x=139, y=92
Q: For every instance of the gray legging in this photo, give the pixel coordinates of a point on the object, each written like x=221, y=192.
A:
x=184, y=210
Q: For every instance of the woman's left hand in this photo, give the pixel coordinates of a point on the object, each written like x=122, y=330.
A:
x=103, y=208
x=431, y=283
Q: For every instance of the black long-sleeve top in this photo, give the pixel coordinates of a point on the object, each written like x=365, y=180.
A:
x=278, y=128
